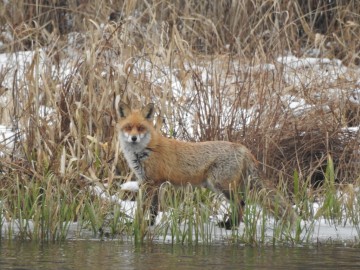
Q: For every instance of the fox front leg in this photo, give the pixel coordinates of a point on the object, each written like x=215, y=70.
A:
x=151, y=203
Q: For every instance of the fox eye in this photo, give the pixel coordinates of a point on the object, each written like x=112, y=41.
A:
x=141, y=128
x=128, y=128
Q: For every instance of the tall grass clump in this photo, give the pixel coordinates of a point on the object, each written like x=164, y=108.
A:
x=246, y=71
x=188, y=214
x=38, y=210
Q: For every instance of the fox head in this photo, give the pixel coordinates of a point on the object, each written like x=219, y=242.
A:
x=135, y=126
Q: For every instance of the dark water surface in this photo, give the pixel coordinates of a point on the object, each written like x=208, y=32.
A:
x=115, y=255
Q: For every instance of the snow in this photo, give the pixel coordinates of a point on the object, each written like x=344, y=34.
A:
x=127, y=207
x=130, y=186
x=355, y=97
x=310, y=71
x=297, y=106
x=7, y=137
x=17, y=64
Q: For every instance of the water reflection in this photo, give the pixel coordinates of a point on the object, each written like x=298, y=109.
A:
x=115, y=255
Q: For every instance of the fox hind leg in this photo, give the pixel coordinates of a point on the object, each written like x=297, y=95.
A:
x=235, y=199
x=237, y=210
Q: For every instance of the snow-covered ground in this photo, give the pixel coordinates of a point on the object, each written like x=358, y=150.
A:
x=7, y=137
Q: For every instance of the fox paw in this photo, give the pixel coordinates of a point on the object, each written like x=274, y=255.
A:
x=150, y=222
x=228, y=224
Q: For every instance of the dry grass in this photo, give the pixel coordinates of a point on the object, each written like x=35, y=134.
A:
x=202, y=62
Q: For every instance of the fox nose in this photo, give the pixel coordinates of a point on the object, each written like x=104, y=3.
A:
x=133, y=138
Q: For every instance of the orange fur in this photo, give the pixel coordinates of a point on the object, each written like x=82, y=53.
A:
x=223, y=167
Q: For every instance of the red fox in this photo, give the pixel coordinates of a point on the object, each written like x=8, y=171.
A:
x=221, y=166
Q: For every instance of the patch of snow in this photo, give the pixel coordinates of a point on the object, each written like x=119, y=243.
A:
x=17, y=65
x=263, y=67
x=355, y=96
x=130, y=186
x=305, y=72
x=127, y=207
x=7, y=137
x=297, y=106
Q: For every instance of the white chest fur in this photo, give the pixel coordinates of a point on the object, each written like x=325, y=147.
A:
x=136, y=153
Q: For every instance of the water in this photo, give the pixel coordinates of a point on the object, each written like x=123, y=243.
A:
x=115, y=255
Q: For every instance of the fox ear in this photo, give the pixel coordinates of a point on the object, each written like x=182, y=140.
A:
x=123, y=110
x=148, y=111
